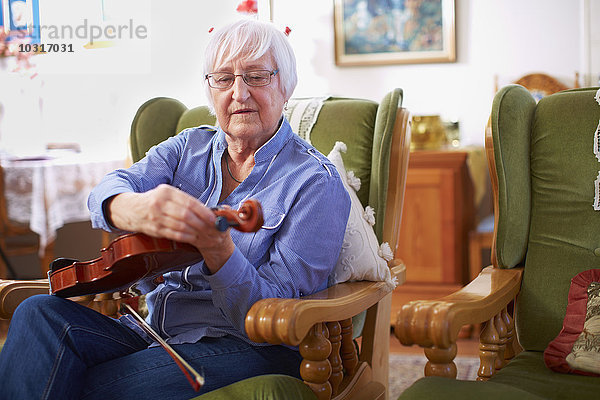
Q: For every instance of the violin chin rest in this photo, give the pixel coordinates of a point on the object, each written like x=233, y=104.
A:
x=61, y=263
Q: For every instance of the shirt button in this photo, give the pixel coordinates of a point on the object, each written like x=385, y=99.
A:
x=597, y=252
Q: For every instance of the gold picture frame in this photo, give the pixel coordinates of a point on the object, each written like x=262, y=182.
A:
x=376, y=32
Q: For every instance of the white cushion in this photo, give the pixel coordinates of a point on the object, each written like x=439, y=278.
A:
x=361, y=257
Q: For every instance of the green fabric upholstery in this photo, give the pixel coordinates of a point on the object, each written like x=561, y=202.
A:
x=565, y=229
x=546, y=168
x=366, y=127
x=436, y=387
x=155, y=121
x=190, y=118
x=512, y=115
x=355, y=129
x=525, y=377
x=264, y=387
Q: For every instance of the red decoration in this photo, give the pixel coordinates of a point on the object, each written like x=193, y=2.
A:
x=211, y=29
x=9, y=49
x=248, y=7
x=287, y=31
x=555, y=355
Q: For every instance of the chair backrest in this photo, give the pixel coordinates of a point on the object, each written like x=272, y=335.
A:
x=365, y=126
x=545, y=176
x=541, y=84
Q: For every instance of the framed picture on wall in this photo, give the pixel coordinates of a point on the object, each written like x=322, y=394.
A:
x=373, y=32
x=20, y=20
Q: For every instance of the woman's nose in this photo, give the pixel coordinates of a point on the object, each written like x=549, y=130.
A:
x=240, y=89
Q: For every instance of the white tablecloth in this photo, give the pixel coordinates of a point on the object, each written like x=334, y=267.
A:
x=52, y=191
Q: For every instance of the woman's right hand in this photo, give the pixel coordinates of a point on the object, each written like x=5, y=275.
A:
x=170, y=213
x=161, y=212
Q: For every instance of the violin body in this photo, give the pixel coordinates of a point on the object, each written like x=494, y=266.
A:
x=135, y=256
x=125, y=261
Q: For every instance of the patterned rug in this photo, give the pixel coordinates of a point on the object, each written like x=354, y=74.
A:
x=407, y=368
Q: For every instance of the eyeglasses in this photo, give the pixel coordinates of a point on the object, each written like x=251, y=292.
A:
x=224, y=80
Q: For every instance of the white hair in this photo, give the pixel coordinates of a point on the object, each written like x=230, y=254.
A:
x=251, y=39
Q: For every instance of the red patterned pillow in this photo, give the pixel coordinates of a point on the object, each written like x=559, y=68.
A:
x=577, y=347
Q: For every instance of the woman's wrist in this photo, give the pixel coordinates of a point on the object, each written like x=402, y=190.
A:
x=216, y=257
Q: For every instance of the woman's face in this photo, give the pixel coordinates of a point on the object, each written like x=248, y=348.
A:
x=245, y=112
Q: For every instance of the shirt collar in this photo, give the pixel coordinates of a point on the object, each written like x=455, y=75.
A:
x=268, y=150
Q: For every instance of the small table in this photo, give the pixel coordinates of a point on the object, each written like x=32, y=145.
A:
x=50, y=191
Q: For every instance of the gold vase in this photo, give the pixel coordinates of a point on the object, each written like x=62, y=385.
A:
x=428, y=132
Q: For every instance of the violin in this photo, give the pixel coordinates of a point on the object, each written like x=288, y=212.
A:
x=135, y=256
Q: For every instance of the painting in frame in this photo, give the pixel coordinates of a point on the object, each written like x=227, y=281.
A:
x=374, y=32
x=20, y=20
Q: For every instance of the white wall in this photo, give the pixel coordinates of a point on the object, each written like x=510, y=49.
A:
x=504, y=37
x=494, y=37
x=591, y=39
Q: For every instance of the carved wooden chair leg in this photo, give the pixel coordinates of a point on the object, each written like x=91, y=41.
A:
x=349, y=356
x=104, y=303
x=503, y=335
x=107, y=304
x=315, y=368
x=440, y=362
x=488, y=350
x=510, y=335
x=513, y=347
x=335, y=338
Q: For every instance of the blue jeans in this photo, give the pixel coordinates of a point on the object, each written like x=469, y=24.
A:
x=58, y=349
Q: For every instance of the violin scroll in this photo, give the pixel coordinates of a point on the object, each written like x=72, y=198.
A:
x=249, y=218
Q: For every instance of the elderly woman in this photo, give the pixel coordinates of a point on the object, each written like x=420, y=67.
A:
x=59, y=349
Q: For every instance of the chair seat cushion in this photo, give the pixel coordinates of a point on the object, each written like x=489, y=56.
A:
x=525, y=377
x=263, y=387
x=435, y=387
x=528, y=372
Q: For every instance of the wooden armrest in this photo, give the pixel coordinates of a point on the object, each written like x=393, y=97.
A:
x=436, y=323
x=12, y=293
x=288, y=321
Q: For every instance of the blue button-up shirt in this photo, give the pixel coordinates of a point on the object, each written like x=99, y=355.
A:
x=305, y=210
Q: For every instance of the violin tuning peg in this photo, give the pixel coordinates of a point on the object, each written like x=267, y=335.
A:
x=222, y=224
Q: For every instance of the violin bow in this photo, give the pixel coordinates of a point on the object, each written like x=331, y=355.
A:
x=197, y=381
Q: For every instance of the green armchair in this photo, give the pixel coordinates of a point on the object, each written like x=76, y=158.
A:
x=342, y=332
x=378, y=141
x=543, y=171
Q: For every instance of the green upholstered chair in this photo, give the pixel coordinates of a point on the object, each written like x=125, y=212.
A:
x=336, y=364
x=378, y=139
x=543, y=169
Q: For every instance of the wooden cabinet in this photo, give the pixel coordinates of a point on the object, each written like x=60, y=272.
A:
x=438, y=214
